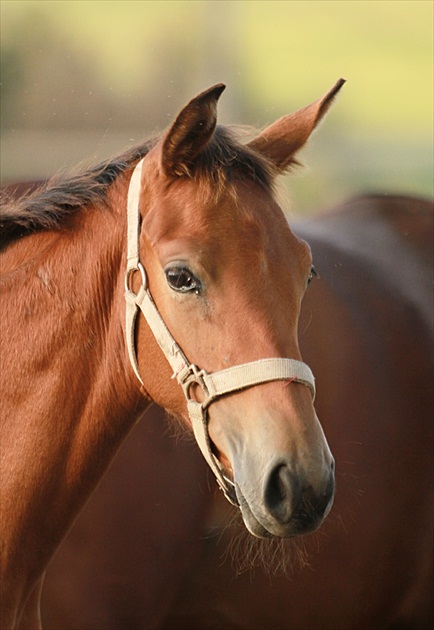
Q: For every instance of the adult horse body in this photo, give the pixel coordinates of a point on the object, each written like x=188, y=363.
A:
x=366, y=329
x=205, y=226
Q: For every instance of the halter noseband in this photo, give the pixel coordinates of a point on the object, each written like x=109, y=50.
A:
x=213, y=385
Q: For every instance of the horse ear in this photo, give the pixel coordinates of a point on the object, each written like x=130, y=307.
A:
x=191, y=131
x=281, y=140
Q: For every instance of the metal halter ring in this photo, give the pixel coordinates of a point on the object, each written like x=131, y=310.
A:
x=130, y=271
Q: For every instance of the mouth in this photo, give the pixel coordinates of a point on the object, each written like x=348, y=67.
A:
x=253, y=525
x=235, y=496
x=304, y=520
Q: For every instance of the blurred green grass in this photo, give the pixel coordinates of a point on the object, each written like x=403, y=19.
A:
x=109, y=71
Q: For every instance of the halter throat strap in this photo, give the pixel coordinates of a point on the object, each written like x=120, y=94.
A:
x=213, y=385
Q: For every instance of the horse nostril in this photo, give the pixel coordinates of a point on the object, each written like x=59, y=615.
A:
x=286, y=498
x=279, y=493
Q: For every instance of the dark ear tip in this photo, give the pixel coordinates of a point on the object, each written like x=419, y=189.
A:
x=329, y=97
x=338, y=86
x=214, y=92
x=219, y=88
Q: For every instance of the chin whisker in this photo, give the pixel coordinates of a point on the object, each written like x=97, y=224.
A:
x=279, y=557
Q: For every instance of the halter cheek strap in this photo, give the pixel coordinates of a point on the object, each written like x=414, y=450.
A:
x=213, y=385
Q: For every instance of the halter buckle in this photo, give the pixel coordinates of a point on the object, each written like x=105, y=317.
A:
x=190, y=375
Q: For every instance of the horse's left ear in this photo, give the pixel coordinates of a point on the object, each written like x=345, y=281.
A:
x=280, y=141
x=191, y=131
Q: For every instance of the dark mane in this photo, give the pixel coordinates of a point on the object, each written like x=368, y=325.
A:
x=48, y=207
x=222, y=161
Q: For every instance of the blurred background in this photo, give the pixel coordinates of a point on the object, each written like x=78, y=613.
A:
x=82, y=81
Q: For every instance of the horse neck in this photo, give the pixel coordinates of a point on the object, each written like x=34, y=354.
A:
x=67, y=398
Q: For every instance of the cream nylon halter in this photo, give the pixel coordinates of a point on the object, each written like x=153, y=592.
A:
x=213, y=385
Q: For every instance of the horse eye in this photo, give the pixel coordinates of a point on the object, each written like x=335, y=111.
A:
x=313, y=274
x=183, y=280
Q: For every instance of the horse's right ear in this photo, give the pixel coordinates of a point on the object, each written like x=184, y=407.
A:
x=191, y=132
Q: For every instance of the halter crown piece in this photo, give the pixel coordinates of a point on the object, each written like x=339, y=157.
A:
x=213, y=385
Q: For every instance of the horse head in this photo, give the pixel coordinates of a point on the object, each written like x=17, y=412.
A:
x=224, y=277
